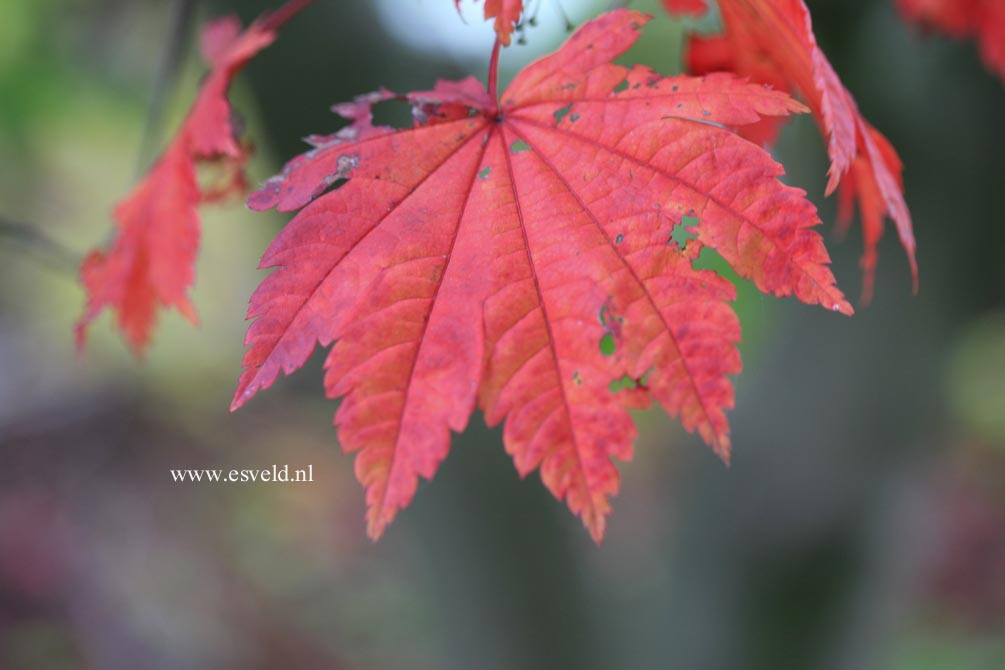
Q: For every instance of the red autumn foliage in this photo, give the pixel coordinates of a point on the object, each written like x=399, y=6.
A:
x=151, y=264
x=519, y=254
x=772, y=41
x=515, y=254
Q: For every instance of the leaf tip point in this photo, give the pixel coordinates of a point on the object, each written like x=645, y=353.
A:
x=596, y=533
x=375, y=529
x=241, y=396
x=798, y=108
x=723, y=448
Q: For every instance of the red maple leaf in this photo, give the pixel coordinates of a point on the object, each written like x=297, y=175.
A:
x=515, y=252
x=983, y=20
x=151, y=264
x=772, y=41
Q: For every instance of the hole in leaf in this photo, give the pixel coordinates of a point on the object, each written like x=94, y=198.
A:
x=345, y=164
x=629, y=382
x=607, y=345
x=680, y=235
x=626, y=382
x=622, y=85
x=331, y=184
x=619, y=239
x=519, y=147
x=393, y=113
x=561, y=113
x=219, y=180
x=485, y=172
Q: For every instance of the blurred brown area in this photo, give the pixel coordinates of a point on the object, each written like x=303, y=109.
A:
x=861, y=524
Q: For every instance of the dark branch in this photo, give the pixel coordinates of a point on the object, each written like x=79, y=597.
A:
x=39, y=246
x=167, y=75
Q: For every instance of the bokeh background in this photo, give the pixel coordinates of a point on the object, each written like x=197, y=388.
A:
x=861, y=525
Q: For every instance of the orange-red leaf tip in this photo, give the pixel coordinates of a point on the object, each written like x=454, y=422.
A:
x=595, y=526
x=844, y=307
x=245, y=391
x=722, y=448
x=797, y=107
x=377, y=521
x=374, y=530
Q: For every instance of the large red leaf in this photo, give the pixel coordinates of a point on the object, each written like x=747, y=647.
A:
x=518, y=255
x=772, y=41
x=151, y=264
x=983, y=20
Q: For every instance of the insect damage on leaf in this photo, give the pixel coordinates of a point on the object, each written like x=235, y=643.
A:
x=628, y=382
x=490, y=257
x=607, y=345
x=519, y=147
x=680, y=235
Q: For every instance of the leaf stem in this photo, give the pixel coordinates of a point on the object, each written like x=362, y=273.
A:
x=494, y=73
x=276, y=19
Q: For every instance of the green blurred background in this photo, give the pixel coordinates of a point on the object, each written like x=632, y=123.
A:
x=861, y=525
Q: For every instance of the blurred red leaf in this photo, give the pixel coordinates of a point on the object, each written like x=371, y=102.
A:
x=982, y=20
x=772, y=42
x=151, y=263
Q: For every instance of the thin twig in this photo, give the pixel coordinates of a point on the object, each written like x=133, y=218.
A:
x=54, y=255
x=569, y=27
x=167, y=75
